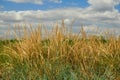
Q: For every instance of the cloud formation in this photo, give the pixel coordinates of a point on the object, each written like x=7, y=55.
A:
x=100, y=13
x=56, y=1
x=1, y=7
x=35, y=1
x=27, y=1
x=103, y=5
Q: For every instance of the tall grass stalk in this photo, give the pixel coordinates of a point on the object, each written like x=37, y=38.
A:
x=60, y=55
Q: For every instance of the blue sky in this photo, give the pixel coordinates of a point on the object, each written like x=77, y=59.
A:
x=102, y=14
x=11, y=5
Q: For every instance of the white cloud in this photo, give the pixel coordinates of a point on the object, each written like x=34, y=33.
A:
x=56, y=1
x=100, y=13
x=95, y=30
x=1, y=21
x=103, y=5
x=26, y=1
x=34, y=1
x=81, y=16
x=67, y=21
x=1, y=7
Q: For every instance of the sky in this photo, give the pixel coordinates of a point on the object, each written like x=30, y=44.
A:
x=93, y=14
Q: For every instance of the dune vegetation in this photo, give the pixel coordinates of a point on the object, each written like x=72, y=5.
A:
x=60, y=55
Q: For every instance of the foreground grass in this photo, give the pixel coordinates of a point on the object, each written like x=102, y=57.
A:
x=60, y=56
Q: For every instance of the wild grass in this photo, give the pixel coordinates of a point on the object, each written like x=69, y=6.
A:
x=60, y=55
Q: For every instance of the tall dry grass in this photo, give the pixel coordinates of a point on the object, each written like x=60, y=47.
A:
x=61, y=55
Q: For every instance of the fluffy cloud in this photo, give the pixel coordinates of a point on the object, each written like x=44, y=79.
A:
x=56, y=1
x=30, y=1
x=34, y=1
x=100, y=13
x=103, y=5
x=81, y=16
x=1, y=7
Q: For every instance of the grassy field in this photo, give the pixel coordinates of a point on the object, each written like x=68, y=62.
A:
x=60, y=55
